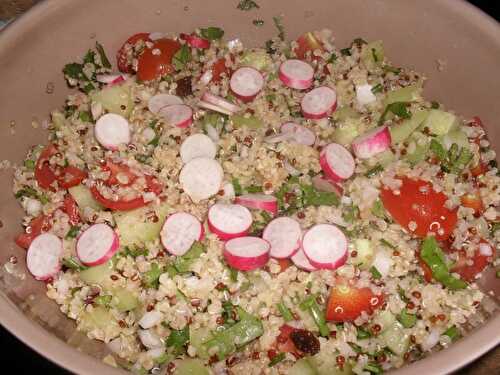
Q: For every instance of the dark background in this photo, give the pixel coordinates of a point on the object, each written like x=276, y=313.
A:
x=18, y=358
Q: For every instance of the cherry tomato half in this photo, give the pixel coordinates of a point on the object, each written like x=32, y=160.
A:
x=156, y=61
x=37, y=226
x=123, y=53
x=44, y=173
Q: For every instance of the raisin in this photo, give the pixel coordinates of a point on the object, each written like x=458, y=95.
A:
x=305, y=341
x=184, y=87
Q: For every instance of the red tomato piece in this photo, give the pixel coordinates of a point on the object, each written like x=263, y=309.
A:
x=122, y=55
x=116, y=169
x=156, y=62
x=70, y=176
x=469, y=272
x=284, y=342
x=218, y=68
x=71, y=209
x=346, y=302
x=307, y=42
x=480, y=169
x=284, y=264
x=418, y=202
x=44, y=174
x=473, y=201
x=37, y=226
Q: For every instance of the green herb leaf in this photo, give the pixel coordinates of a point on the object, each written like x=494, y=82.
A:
x=332, y=59
x=374, y=55
x=183, y=263
x=181, y=57
x=434, y=257
x=313, y=197
x=384, y=242
x=378, y=209
x=453, y=333
x=359, y=42
x=212, y=33
x=277, y=359
x=177, y=339
x=310, y=304
x=233, y=275
x=435, y=105
x=134, y=251
x=258, y=23
x=102, y=54
x=438, y=149
x=350, y=213
x=141, y=158
x=374, y=171
x=238, y=190
x=406, y=319
x=362, y=334
x=278, y=22
x=74, y=264
x=253, y=189
x=377, y=88
x=74, y=71
x=73, y=231
x=85, y=116
x=398, y=108
x=388, y=68
x=373, y=368
x=246, y=5
x=285, y=312
x=103, y=300
x=151, y=278
x=375, y=273
x=26, y=191
x=30, y=164
x=345, y=52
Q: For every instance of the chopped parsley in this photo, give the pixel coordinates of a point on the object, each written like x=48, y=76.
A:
x=247, y=5
x=345, y=51
x=73, y=263
x=454, y=160
x=278, y=22
x=181, y=57
x=258, y=22
x=375, y=273
x=391, y=69
x=73, y=231
x=377, y=88
x=399, y=109
x=277, y=359
x=374, y=171
x=212, y=33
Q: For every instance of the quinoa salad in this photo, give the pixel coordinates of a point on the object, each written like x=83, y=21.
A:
x=300, y=208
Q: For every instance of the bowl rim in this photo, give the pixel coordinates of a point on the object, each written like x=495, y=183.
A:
x=56, y=350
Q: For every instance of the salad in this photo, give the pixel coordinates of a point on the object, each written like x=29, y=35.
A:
x=298, y=208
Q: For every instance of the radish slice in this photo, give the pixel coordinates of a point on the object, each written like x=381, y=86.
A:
x=220, y=102
x=215, y=108
x=112, y=130
x=97, y=244
x=179, y=115
x=201, y=178
x=296, y=74
x=196, y=41
x=246, y=253
x=337, y=162
x=372, y=142
x=324, y=184
x=319, y=103
x=264, y=202
x=43, y=257
x=111, y=79
x=179, y=233
x=229, y=220
x=325, y=246
x=197, y=146
x=246, y=83
x=301, y=261
x=301, y=134
x=159, y=101
x=206, y=77
x=284, y=235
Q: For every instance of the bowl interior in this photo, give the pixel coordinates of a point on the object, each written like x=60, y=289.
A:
x=422, y=35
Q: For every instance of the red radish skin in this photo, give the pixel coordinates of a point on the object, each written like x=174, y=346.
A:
x=197, y=146
x=229, y=221
x=263, y=202
x=97, y=244
x=111, y=79
x=301, y=134
x=196, y=41
x=325, y=246
x=300, y=260
x=178, y=115
x=157, y=102
x=112, y=130
x=372, y=143
x=246, y=253
x=319, y=103
x=324, y=184
x=218, y=101
x=43, y=258
x=337, y=162
x=296, y=74
x=284, y=235
x=201, y=178
x=246, y=83
x=179, y=232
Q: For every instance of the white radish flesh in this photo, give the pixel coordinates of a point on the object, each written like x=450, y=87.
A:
x=229, y=220
x=325, y=246
x=203, y=104
x=97, y=244
x=301, y=134
x=296, y=74
x=157, y=102
x=220, y=102
x=264, y=202
x=246, y=253
x=319, y=103
x=43, y=256
x=112, y=130
x=364, y=94
x=246, y=83
x=284, y=235
x=197, y=146
x=372, y=143
x=201, y=178
x=179, y=115
x=300, y=260
x=179, y=232
x=337, y=162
